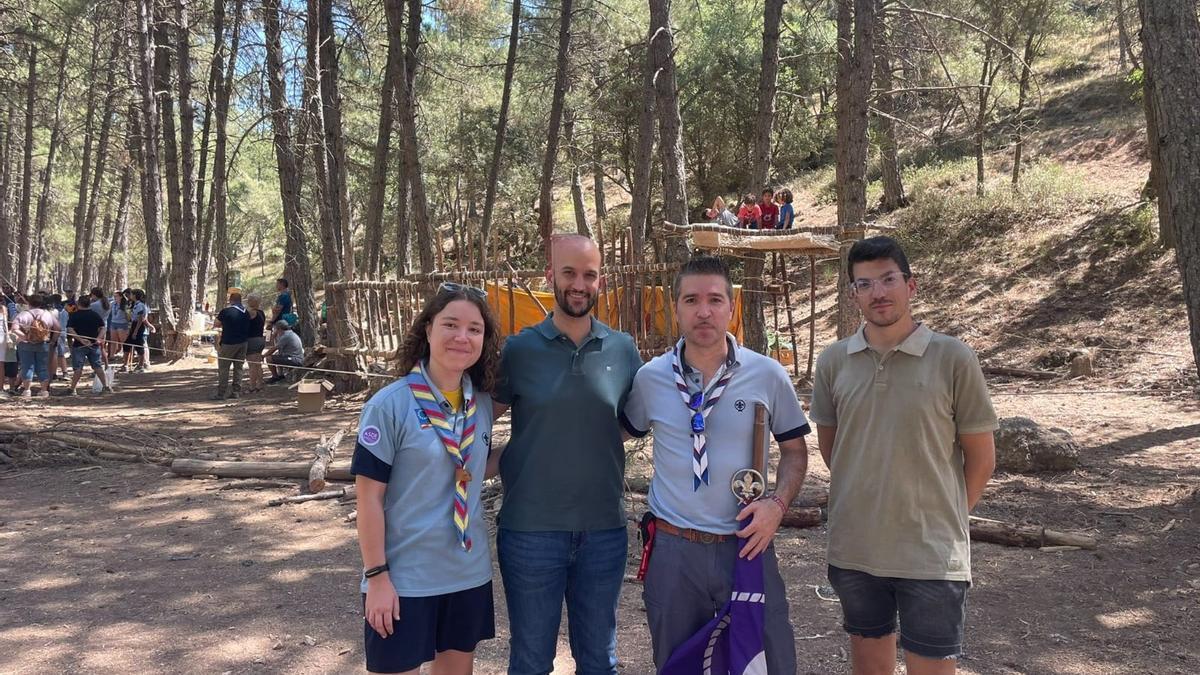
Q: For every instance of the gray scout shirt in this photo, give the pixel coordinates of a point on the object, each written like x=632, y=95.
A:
x=655, y=402
x=564, y=468
x=396, y=445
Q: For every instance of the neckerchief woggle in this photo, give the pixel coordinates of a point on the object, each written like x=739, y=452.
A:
x=459, y=448
x=699, y=439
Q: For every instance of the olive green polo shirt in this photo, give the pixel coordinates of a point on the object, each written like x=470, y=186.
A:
x=897, y=492
x=564, y=467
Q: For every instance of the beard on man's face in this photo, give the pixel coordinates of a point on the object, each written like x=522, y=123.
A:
x=563, y=302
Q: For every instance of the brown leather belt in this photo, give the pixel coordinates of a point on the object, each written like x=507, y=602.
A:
x=694, y=536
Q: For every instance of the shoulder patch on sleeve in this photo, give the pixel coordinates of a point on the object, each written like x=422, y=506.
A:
x=370, y=436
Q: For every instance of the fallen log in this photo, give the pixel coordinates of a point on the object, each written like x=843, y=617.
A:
x=229, y=469
x=1021, y=372
x=1026, y=536
x=257, y=484
x=325, y=450
x=347, y=491
x=803, y=517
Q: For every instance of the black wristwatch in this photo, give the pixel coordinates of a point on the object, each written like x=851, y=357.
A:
x=376, y=571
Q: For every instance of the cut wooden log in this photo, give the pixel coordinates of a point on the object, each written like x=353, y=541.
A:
x=227, y=469
x=1021, y=372
x=258, y=484
x=347, y=491
x=803, y=517
x=325, y=450
x=1027, y=536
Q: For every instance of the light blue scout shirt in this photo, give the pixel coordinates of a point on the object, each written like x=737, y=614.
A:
x=655, y=402
x=397, y=445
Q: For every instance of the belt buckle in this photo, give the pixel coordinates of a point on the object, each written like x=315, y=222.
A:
x=708, y=538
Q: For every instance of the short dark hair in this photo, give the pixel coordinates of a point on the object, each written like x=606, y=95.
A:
x=876, y=248
x=282, y=281
x=703, y=265
x=36, y=300
x=768, y=191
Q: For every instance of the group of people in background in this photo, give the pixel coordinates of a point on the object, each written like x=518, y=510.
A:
x=40, y=334
x=771, y=211
x=242, y=342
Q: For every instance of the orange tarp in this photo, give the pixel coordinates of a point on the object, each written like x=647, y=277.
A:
x=525, y=312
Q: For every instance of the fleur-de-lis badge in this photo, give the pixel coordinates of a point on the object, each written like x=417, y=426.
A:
x=747, y=485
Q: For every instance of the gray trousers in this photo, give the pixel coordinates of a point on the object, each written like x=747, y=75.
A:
x=230, y=355
x=687, y=583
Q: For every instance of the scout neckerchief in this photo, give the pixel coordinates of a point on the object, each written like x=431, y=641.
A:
x=699, y=404
x=459, y=448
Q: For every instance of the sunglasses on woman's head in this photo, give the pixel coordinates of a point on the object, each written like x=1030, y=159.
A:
x=454, y=287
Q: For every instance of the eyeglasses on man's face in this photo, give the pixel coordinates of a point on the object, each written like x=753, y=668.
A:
x=888, y=282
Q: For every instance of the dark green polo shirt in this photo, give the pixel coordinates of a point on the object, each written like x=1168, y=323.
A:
x=564, y=466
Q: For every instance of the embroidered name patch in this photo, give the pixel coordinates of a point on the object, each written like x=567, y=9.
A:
x=370, y=436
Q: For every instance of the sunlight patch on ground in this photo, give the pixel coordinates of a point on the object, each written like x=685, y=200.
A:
x=1127, y=618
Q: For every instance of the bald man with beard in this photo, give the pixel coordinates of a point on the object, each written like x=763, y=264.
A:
x=562, y=525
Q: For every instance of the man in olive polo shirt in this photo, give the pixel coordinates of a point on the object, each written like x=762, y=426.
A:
x=905, y=425
x=562, y=526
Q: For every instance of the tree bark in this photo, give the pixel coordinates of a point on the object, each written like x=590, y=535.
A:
x=114, y=272
x=856, y=41
x=170, y=153
x=7, y=234
x=219, y=198
x=510, y=64
x=1124, y=43
x=43, y=205
x=1018, y=123
x=577, y=205
x=419, y=203
x=296, y=267
x=893, y=185
x=670, y=126
x=1155, y=184
x=373, y=235
x=204, y=217
x=25, y=236
x=331, y=260
x=335, y=142
x=557, y=102
x=185, y=266
x=639, y=208
x=95, y=195
x=1171, y=52
x=85, y=163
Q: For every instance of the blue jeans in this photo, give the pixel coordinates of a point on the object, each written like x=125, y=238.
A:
x=540, y=569
x=34, y=358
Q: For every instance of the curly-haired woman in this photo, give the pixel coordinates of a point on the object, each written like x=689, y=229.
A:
x=419, y=465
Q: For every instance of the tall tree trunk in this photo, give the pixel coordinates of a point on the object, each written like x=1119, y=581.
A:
x=204, y=217
x=296, y=266
x=25, y=236
x=577, y=205
x=115, y=270
x=753, y=322
x=855, y=34
x=156, y=275
x=335, y=143
x=981, y=113
x=7, y=236
x=1018, y=123
x=598, y=155
x=550, y=159
x=331, y=259
x=373, y=234
x=219, y=200
x=1155, y=183
x=419, y=204
x=1125, y=44
x=510, y=64
x=639, y=207
x=95, y=194
x=885, y=102
x=170, y=151
x=670, y=126
x=43, y=205
x=76, y=279
x=1171, y=51
x=185, y=267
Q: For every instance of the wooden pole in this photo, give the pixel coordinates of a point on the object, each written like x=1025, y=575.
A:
x=512, y=301
x=812, y=314
x=787, y=305
x=775, y=306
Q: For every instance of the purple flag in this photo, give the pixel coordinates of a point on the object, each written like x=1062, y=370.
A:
x=732, y=643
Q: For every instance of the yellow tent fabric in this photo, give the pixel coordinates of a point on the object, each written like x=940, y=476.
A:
x=525, y=312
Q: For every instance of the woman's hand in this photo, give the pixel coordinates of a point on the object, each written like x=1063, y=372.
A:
x=383, y=605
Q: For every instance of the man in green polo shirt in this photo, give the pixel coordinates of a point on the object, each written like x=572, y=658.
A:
x=905, y=425
x=562, y=526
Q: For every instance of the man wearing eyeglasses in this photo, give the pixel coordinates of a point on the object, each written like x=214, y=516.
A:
x=562, y=525
x=904, y=423
x=700, y=398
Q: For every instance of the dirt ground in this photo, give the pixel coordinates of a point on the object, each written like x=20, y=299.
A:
x=113, y=567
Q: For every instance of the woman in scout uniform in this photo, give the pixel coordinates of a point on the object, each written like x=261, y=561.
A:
x=419, y=462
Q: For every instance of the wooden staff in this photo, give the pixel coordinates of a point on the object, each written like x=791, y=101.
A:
x=812, y=314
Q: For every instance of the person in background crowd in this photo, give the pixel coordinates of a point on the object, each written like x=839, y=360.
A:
x=427, y=566
x=255, y=341
x=770, y=212
x=787, y=215
x=8, y=354
x=99, y=302
x=140, y=327
x=85, y=328
x=59, y=350
x=285, y=350
x=231, y=349
x=10, y=303
x=35, y=328
x=719, y=215
x=283, y=301
x=120, y=312
x=750, y=214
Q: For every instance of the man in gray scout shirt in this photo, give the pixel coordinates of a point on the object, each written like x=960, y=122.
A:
x=690, y=572
x=562, y=527
x=905, y=425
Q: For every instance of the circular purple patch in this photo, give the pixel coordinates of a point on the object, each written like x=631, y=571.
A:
x=370, y=435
